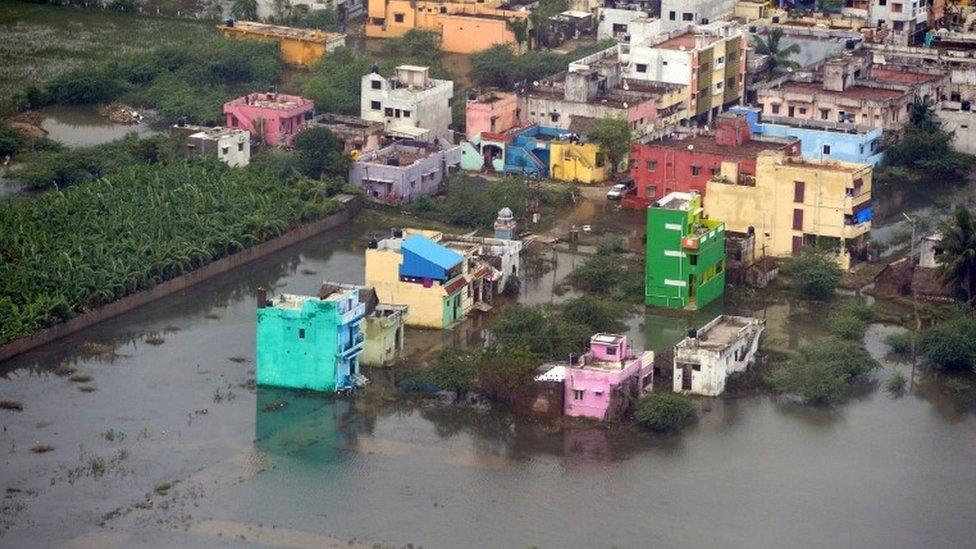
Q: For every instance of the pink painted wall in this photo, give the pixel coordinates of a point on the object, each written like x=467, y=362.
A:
x=276, y=125
x=597, y=384
x=478, y=115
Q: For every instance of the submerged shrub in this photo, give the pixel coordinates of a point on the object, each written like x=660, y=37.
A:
x=665, y=411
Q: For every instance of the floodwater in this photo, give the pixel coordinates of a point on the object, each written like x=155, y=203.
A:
x=83, y=126
x=235, y=464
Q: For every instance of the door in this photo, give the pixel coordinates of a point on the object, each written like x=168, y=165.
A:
x=791, y=111
x=797, y=245
x=686, y=377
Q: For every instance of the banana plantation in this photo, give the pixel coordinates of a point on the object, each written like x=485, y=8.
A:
x=70, y=251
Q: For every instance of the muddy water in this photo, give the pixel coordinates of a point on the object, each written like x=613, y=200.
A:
x=290, y=469
x=85, y=127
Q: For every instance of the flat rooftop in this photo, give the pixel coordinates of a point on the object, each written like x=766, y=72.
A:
x=405, y=155
x=277, y=31
x=895, y=76
x=858, y=93
x=675, y=201
x=706, y=144
x=686, y=41
x=276, y=101
x=719, y=335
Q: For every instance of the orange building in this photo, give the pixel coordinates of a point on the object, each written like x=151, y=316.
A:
x=299, y=47
x=465, y=27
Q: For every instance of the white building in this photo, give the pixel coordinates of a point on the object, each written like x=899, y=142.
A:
x=344, y=8
x=621, y=24
x=727, y=344
x=411, y=104
x=959, y=122
x=930, y=251
x=231, y=146
x=678, y=13
x=902, y=18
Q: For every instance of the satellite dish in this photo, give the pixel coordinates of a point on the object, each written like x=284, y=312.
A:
x=535, y=82
x=691, y=147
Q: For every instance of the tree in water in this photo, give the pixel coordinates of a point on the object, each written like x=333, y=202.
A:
x=958, y=262
x=245, y=9
x=779, y=57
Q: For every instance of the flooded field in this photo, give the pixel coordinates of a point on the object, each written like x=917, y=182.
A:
x=85, y=127
x=127, y=440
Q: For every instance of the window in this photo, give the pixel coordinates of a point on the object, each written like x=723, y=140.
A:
x=696, y=170
x=797, y=219
x=693, y=259
x=686, y=16
x=713, y=170
x=671, y=15
x=398, y=17
x=611, y=350
x=641, y=67
x=375, y=105
x=803, y=110
x=554, y=117
x=798, y=188
x=388, y=111
x=896, y=8
x=824, y=114
x=882, y=2
x=301, y=333
x=240, y=147
x=443, y=9
x=406, y=114
x=376, y=84
x=224, y=150
x=825, y=149
x=775, y=108
x=898, y=26
x=578, y=394
x=396, y=113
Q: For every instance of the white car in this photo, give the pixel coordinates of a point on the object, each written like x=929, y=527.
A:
x=617, y=192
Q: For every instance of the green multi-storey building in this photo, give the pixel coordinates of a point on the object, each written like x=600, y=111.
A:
x=685, y=264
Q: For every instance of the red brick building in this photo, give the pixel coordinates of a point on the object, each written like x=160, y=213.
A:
x=686, y=163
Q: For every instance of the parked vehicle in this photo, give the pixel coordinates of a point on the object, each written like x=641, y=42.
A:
x=618, y=191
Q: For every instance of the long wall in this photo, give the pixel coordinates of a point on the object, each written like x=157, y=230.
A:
x=180, y=283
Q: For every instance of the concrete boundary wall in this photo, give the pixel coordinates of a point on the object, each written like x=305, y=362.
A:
x=180, y=283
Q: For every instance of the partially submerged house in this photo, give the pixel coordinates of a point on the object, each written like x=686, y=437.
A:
x=404, y=170
x=440, y=277
x=903, y=277
x=603, y=382
x=311, y=342
x=230, y=146
x=704, y=360
x=272, y=118
x=384, y=329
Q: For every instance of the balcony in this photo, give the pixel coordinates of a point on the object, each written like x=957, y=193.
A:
x=355, y=346
x=690, y=243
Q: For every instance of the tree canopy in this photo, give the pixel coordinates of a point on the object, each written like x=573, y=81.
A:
x=958, y=262
x=613, y=135
x=814, y=272
x=779, y=58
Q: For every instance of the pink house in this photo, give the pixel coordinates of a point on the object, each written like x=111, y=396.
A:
x=275, y=117
x=600, y=383
x=493, y=112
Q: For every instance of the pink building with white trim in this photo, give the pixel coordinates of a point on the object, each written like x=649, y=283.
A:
x=599, y=385
x=492, y=112
x=275, y=118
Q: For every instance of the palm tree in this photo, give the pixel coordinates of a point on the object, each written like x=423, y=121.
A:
x=958, y=261
x=779, y=57
x=922, y=115
x=245, y=9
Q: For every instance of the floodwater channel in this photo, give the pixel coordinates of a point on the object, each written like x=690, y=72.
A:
x=171, y=445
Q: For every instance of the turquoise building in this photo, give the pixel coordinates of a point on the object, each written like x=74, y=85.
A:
x=311, y=342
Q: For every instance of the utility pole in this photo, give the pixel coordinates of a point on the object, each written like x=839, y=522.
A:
x=918, y=321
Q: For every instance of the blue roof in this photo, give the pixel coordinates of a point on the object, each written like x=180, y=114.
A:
x=426, y=248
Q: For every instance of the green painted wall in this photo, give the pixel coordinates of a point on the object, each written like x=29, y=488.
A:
x=287, y=357
x=681, y=278
x=452, y=309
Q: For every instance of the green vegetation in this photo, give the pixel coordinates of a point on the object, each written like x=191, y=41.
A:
x=616, y=276
x=921, y=153
x=474, y=203
x=500, y=67
x=67, y=252
x=780, y=58
x=665, y=411
x=554, y=333
x=41, y=42
x=815, y=273
x=13, y=142
x=821, y=372
x=851, y=321
x=949, y=346
x=900, y=342
x=320, y=153
x=60, y=167
x=613, y=136
x=896, y=382
x=958, y=267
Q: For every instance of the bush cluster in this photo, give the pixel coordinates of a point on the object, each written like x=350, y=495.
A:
x=821, y=372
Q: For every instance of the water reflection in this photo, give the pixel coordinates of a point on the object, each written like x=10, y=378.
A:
x=83, y=126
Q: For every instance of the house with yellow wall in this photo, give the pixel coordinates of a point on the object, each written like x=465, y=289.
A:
x=298, y=47
x=464, y=26
x=580, y=162
x=440, y=278
x=793, y=202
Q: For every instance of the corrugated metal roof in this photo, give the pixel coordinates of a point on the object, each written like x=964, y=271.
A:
x=426, y=248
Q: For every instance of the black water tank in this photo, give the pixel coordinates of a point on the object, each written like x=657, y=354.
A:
x=373, y=244
x=229, y=22
x=692, y=333
x=751, y=230
x=775, y=19
x=850, y=44
x=397, y=233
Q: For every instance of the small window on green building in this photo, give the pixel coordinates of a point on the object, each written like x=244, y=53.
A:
x=301, y=333
x=693, y=259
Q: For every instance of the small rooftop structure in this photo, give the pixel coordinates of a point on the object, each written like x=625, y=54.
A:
x=355, y=133
x=704, y=360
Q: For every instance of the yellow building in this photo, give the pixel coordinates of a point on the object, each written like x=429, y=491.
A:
x=299, y=47
x=793, y=202
x=440, y=278
x=580, y=162
x=464, y=26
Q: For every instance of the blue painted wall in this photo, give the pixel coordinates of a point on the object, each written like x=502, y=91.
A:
x=814, y=143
